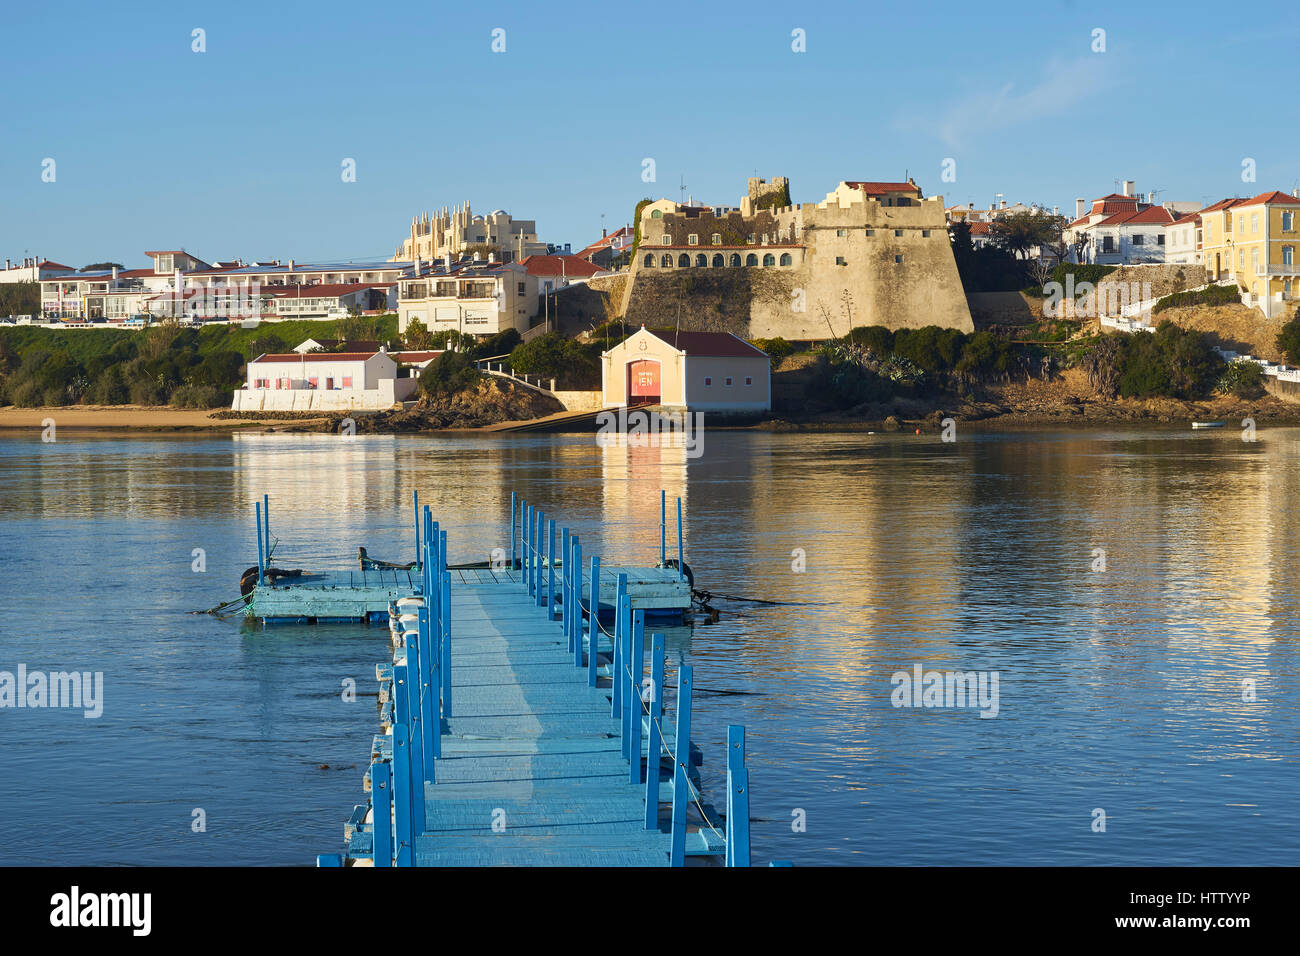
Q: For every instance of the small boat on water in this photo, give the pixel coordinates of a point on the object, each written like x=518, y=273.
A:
x=1207, y=424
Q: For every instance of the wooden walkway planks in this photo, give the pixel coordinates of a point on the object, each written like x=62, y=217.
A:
x=531, y=772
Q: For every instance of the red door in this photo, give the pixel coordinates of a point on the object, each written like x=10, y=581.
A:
x=643, y=382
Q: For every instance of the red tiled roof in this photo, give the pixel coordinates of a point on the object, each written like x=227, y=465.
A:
x=415, y=356
x=1154, y=215
x=317, y=357
x=1223, y=204
x=362, y=345
x=980, y=229
x=1274, y=197
x=708, y=344
x=559, y=265
x=172, y=252
x=47, y=264
x=875, y=189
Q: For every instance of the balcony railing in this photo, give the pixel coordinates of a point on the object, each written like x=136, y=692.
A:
x=1278, y=269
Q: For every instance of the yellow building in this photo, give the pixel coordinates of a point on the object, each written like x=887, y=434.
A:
x=1253, y=242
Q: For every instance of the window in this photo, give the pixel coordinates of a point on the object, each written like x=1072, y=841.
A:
x=1107, y=243
x=1241, y=258
x=716, y=239
x=925, y=233
x=750, y=240
x=649, y=260
x=708, y=381
x=1138, y=239
x=841, y=233
x=898, y=233
x=898, y=258
x=1160, y=239
x=522, y=288
x=701, y=260
x=657, y=214
x=871, y=232
x=667, y=240
x=718, y=261
x=683, y=261
x=693, y=239
x=839, y=261
x=749, y=380
x=751, y=260
x=786, y=259
x=735, y=258
x=1254, y=222
x=769, y=259
x=666, y=262
x=1241, y=224
x=1288, y=221
x=313, y=382
x=1288, y=255
x=728, y=382
x=347, y=381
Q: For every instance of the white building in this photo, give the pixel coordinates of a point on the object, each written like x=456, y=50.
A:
x=1183, y=240
x=475, y=298
x=33, y=269
x=323, y=381
x=1122, y=228
x=698, y=371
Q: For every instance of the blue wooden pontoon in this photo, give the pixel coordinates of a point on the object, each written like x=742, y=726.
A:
x=519, y=731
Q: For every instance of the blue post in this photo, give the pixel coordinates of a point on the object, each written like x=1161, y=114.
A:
x=266, y=525
x=446, y=642
x=413, y=722
x=442, y=551
x=401, y=771
x=411, y=782
x=538, y=571
x=381, y=804
x=575, y=595
x=654, y=746
x=634, y=699
x=626, y=696
x=528, y=551
x=513, y=499
x=593, y=622
x=681, y=561
x=261, y=542
x=430, y=706
x=737, y=798
x=550, y=569
x=415, y=505
x=663, y=526
x=682, y=762
x=615, y=671
x=564, y=577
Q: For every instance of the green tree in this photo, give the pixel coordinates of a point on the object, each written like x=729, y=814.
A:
x=1288, y=340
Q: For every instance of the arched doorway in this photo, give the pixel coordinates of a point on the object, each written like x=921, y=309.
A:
x=643, y=383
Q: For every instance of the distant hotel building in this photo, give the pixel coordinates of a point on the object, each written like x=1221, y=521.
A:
x=481, y=297
x=453, y=230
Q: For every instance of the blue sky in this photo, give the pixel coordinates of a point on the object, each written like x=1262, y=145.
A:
x=237, y=151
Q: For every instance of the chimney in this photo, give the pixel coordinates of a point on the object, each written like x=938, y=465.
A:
x=1004, y=204
x=6, y=265
x=1056, y=210
x=1295, y=193
x=1080, y=207
x=417, y=265
x=1129, y=187
x=446, y=261
x=290, y=265
x=492, y=257
x=602, y=232
x=114, y=273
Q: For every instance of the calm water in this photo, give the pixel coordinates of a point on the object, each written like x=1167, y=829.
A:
x=1118, y=690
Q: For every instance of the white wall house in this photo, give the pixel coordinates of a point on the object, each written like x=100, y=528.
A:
x=322, y=381
x=474, y=298
x=33, y=269
x=1183, y=241
x=699, y=371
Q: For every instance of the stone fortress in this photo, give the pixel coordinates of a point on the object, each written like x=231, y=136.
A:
x=870, y=253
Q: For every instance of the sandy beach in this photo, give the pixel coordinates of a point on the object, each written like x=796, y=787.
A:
x=123, y=417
